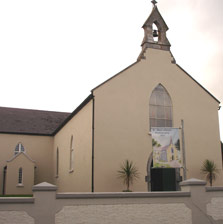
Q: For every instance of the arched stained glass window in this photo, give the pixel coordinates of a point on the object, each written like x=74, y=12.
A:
x=160, y=108
x=19, y=148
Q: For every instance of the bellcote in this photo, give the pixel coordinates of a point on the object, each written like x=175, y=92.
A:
x=155, y=30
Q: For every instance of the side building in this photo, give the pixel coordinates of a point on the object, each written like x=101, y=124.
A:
x=26, y=137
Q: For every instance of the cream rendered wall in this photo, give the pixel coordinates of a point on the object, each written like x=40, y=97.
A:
x=38, y=148
x=122, y=120
x=80, y=126
x=12, y=186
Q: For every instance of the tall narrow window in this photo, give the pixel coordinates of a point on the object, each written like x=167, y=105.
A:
x=71, y=154
x=19, y=148
x=20, y=176
x=160, y=108
x=57, y=163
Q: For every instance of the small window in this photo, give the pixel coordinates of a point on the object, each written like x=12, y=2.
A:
x=19, y=148
x=20, y=177
x=57, y=163
x=71, y=154
x=160, y=108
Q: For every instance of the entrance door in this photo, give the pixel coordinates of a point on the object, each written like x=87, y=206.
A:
x=163, y=179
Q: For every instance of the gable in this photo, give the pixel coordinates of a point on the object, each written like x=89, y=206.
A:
x=155, y=17
x=21, y=157
x=151, y=65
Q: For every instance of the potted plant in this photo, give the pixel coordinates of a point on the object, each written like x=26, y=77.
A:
x=209, y=169
x=128, y=172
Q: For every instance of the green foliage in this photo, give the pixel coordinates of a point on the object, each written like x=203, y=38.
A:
x=160, y=165
x=128, y=172
x=155, y=143
x=209, y=169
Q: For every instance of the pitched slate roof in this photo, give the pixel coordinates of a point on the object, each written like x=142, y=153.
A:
x=33, y=122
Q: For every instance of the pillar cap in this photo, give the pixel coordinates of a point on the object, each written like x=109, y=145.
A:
x=44, y=186
x=193, y=182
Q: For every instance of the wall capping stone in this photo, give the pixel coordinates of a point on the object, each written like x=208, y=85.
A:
x=196, y=205
x=212, y=189
x=17, y=200
x=194, y=182
x=44, y=187
x=122, y=195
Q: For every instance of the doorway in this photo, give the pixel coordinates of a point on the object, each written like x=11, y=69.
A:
x=162, y=179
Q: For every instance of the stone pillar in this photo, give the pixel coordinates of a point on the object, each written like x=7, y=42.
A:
x=198, y=200
x=45, y=196
x=192, y=184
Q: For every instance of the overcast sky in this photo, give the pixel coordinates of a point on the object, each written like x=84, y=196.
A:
x=52, y=53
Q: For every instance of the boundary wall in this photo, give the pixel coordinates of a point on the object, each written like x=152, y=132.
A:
x=194, y=204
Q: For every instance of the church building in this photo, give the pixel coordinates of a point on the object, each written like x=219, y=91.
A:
x=83, y=150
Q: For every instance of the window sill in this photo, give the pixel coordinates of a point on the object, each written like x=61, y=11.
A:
x=19, y=185
x=71, y=171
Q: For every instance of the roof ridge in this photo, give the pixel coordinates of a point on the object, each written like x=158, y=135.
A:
x=15, y=108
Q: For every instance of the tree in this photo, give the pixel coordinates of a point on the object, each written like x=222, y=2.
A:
x=128, y=172
x=209, y=169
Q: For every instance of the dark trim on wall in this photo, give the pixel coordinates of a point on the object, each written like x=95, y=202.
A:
x=198, y=83
x=92, y=168
x=73, y=114
x=4, y=180
x=24, y=133
x=115, y=75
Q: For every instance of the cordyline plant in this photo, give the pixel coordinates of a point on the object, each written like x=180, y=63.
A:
x=128, y=172
x=209, y=168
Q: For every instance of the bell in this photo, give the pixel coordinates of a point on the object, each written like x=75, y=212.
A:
x=155, y=33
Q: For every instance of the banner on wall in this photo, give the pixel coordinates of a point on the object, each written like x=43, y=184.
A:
x=166, y=148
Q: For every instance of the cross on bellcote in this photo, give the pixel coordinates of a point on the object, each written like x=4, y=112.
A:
x=154, y=2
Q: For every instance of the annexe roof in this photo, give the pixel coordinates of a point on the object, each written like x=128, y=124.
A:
x=35, y=122
x=31, y=122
